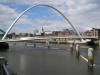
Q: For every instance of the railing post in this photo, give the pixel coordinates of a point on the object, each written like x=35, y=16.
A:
x=90, y=57
x=2, y=61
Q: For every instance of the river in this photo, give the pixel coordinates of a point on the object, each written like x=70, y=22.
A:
x=57, y=60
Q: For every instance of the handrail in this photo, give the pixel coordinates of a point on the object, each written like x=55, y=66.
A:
x=65, y=36
x=5, y=70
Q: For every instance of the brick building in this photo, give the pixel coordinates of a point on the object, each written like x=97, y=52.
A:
x=87, y=33
x=95, y=32
x=55, y=33
x=64, y=32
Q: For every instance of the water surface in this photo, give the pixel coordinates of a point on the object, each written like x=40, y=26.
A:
x=39, y=60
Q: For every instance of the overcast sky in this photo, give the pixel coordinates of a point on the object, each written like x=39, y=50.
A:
x=83, y=14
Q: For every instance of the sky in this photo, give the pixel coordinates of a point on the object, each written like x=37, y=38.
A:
x=83, y=14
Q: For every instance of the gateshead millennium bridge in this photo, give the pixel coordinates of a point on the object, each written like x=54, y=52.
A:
x=53, y=37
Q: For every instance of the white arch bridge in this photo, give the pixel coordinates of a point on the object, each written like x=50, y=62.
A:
x=33, y=7
x=49, y=37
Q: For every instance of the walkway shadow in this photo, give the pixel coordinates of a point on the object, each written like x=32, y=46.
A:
x=3, y=50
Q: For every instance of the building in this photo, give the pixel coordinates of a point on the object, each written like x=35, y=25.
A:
x=87, y=33
x=13, y=35
x=55, y=33
x=30, y=35
x=35, y=31
x=64, y=32
x=48, y=33
x=42, y=33
x=23, y=34
x=95, y=32
x=69, y=32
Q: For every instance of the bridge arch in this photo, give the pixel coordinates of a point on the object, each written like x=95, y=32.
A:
x=33, y=7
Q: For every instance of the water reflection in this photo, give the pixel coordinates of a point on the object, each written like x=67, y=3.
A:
x=71, y=52
x=77, y=57
x=22, y=62
x=94, y=47
x=90, y=70
x=3, y=50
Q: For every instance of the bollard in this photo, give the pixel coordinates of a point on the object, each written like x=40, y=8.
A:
x=48, y=45
x=2, y=61
x=77, y=50
x=25, y=43
x=90, y=57
x=71, y=47
x=14, y=43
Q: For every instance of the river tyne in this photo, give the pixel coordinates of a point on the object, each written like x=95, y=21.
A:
x=57, y=60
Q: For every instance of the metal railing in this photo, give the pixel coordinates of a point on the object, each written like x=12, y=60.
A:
x=3, y=69
x=48, y=37
x=65, y=37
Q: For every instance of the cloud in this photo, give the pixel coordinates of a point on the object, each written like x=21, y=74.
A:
x=48, y=25
x=7, y=15
x=84, y=14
